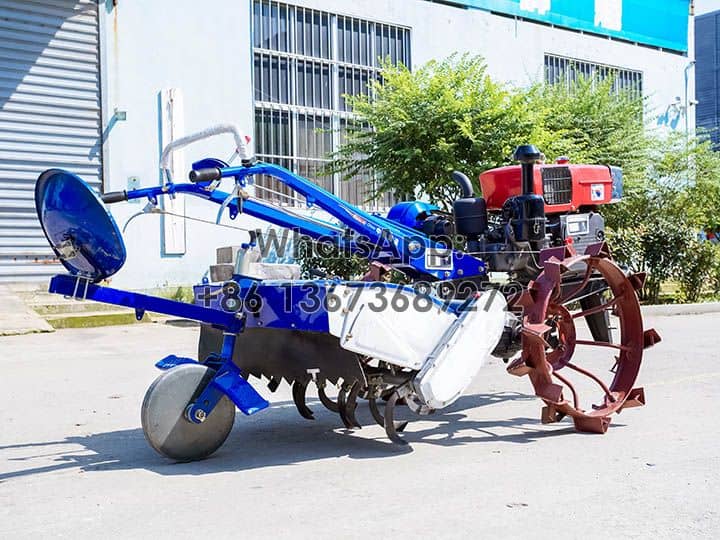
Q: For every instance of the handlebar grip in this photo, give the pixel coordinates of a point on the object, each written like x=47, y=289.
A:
x=205, y=175
x=114, y=197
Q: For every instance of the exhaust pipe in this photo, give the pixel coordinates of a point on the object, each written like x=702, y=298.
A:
x=464, y=183
x=527, y=155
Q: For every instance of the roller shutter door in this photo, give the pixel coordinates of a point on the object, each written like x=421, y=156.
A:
x=49, y=117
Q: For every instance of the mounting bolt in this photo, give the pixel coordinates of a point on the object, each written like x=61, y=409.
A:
x=200, y=415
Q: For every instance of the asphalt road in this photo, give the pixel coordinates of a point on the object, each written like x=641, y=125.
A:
x=74, y=462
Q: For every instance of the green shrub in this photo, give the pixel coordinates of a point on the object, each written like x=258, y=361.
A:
x=447, y=115
x=318, y=260
x=695, y=273
x=715, y=275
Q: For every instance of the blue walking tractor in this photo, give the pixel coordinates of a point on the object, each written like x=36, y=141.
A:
x=522, y=274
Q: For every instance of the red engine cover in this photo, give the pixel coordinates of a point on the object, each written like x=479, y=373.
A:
x=565, y=187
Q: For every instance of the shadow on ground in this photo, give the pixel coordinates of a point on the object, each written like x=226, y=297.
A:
x=278, y=436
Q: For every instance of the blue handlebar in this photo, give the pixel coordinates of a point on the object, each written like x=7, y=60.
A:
x=386, y=240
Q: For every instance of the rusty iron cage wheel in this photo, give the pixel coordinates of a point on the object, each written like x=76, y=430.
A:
x=552, y=349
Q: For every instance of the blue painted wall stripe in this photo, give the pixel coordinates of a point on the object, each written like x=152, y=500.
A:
x=660, y=23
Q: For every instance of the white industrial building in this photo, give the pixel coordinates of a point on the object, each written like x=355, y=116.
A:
x=98, y=87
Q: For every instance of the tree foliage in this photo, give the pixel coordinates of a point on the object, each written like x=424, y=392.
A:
x=657, y=226
x=417, y=127
x=591, y=122
x=448, y=115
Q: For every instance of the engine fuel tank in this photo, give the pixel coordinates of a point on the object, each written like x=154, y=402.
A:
x=564, y=188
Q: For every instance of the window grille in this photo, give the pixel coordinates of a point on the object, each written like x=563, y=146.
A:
x=563, y=70
x=305, y=61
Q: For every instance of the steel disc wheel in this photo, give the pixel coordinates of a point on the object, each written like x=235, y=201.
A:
x=164, y=423
x=587, y=379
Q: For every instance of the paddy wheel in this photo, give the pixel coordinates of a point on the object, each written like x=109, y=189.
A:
x=553, y=348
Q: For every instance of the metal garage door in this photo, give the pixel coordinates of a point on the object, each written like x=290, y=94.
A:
x=49, y=117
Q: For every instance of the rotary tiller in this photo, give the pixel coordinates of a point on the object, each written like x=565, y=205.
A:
x=532, y=262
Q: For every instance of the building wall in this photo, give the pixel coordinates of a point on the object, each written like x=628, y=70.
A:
x=206, y=53
x=514, y=49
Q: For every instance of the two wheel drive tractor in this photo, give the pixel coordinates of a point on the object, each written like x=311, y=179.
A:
x=509, y=275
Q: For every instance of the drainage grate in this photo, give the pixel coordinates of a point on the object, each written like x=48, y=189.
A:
x=557, y=185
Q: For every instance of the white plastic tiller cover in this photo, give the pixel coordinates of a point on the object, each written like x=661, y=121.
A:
x=448, y=350
x=403, y=337
x=461, y=352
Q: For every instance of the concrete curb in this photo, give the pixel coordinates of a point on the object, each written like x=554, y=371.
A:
x=666, y=310
x=16, y=318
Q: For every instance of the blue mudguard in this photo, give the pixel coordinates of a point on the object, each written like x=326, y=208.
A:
x=172, y=361
x=240, y=392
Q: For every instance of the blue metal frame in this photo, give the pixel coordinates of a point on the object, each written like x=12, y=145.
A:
x=229, y=381
x=396, y=243
x=281, y=303
x=78, y=287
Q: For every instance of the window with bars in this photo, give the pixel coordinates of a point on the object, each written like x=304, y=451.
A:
x=563, y=70
x=305, y=61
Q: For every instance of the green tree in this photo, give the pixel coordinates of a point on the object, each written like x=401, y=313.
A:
x=697, y=272
x=591, y=121
x=448, y=115
x=656, y=227
x=417, y=127
x=317, y=259
x=650, y=234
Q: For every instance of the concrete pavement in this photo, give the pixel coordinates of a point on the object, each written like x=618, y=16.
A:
x=74, y=462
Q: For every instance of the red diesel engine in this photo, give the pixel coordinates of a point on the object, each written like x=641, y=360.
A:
x=523, y=210
x=565, y=196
